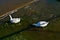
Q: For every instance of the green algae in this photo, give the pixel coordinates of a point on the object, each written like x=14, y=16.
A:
x=51, y=32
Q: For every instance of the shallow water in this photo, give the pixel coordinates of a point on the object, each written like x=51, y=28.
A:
x=43, y=6
x=54, y=3
x=49, y=5
x=6, y=5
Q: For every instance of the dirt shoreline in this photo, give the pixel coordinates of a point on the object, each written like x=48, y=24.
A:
x=14, y=9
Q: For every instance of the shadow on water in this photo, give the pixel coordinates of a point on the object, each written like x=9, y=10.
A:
x=1, y=22
x=47, y=30
x=16, y=32
x=4, y=22
x=53, y=17
x=58, y=0
x=30, y=28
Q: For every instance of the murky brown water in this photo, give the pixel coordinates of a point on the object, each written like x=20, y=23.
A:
x=43, y=8
x=8, y=5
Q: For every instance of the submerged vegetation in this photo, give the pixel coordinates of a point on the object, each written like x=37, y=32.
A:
x=51, y=32
x=32, y=14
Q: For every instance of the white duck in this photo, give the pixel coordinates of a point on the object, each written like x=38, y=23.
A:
x=14, y=20
x=41, y=24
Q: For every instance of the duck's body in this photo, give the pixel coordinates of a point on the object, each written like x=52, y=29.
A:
x=14, y=20
x=41, y=24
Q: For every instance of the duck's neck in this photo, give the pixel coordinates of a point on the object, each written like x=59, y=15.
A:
x=10, y=17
